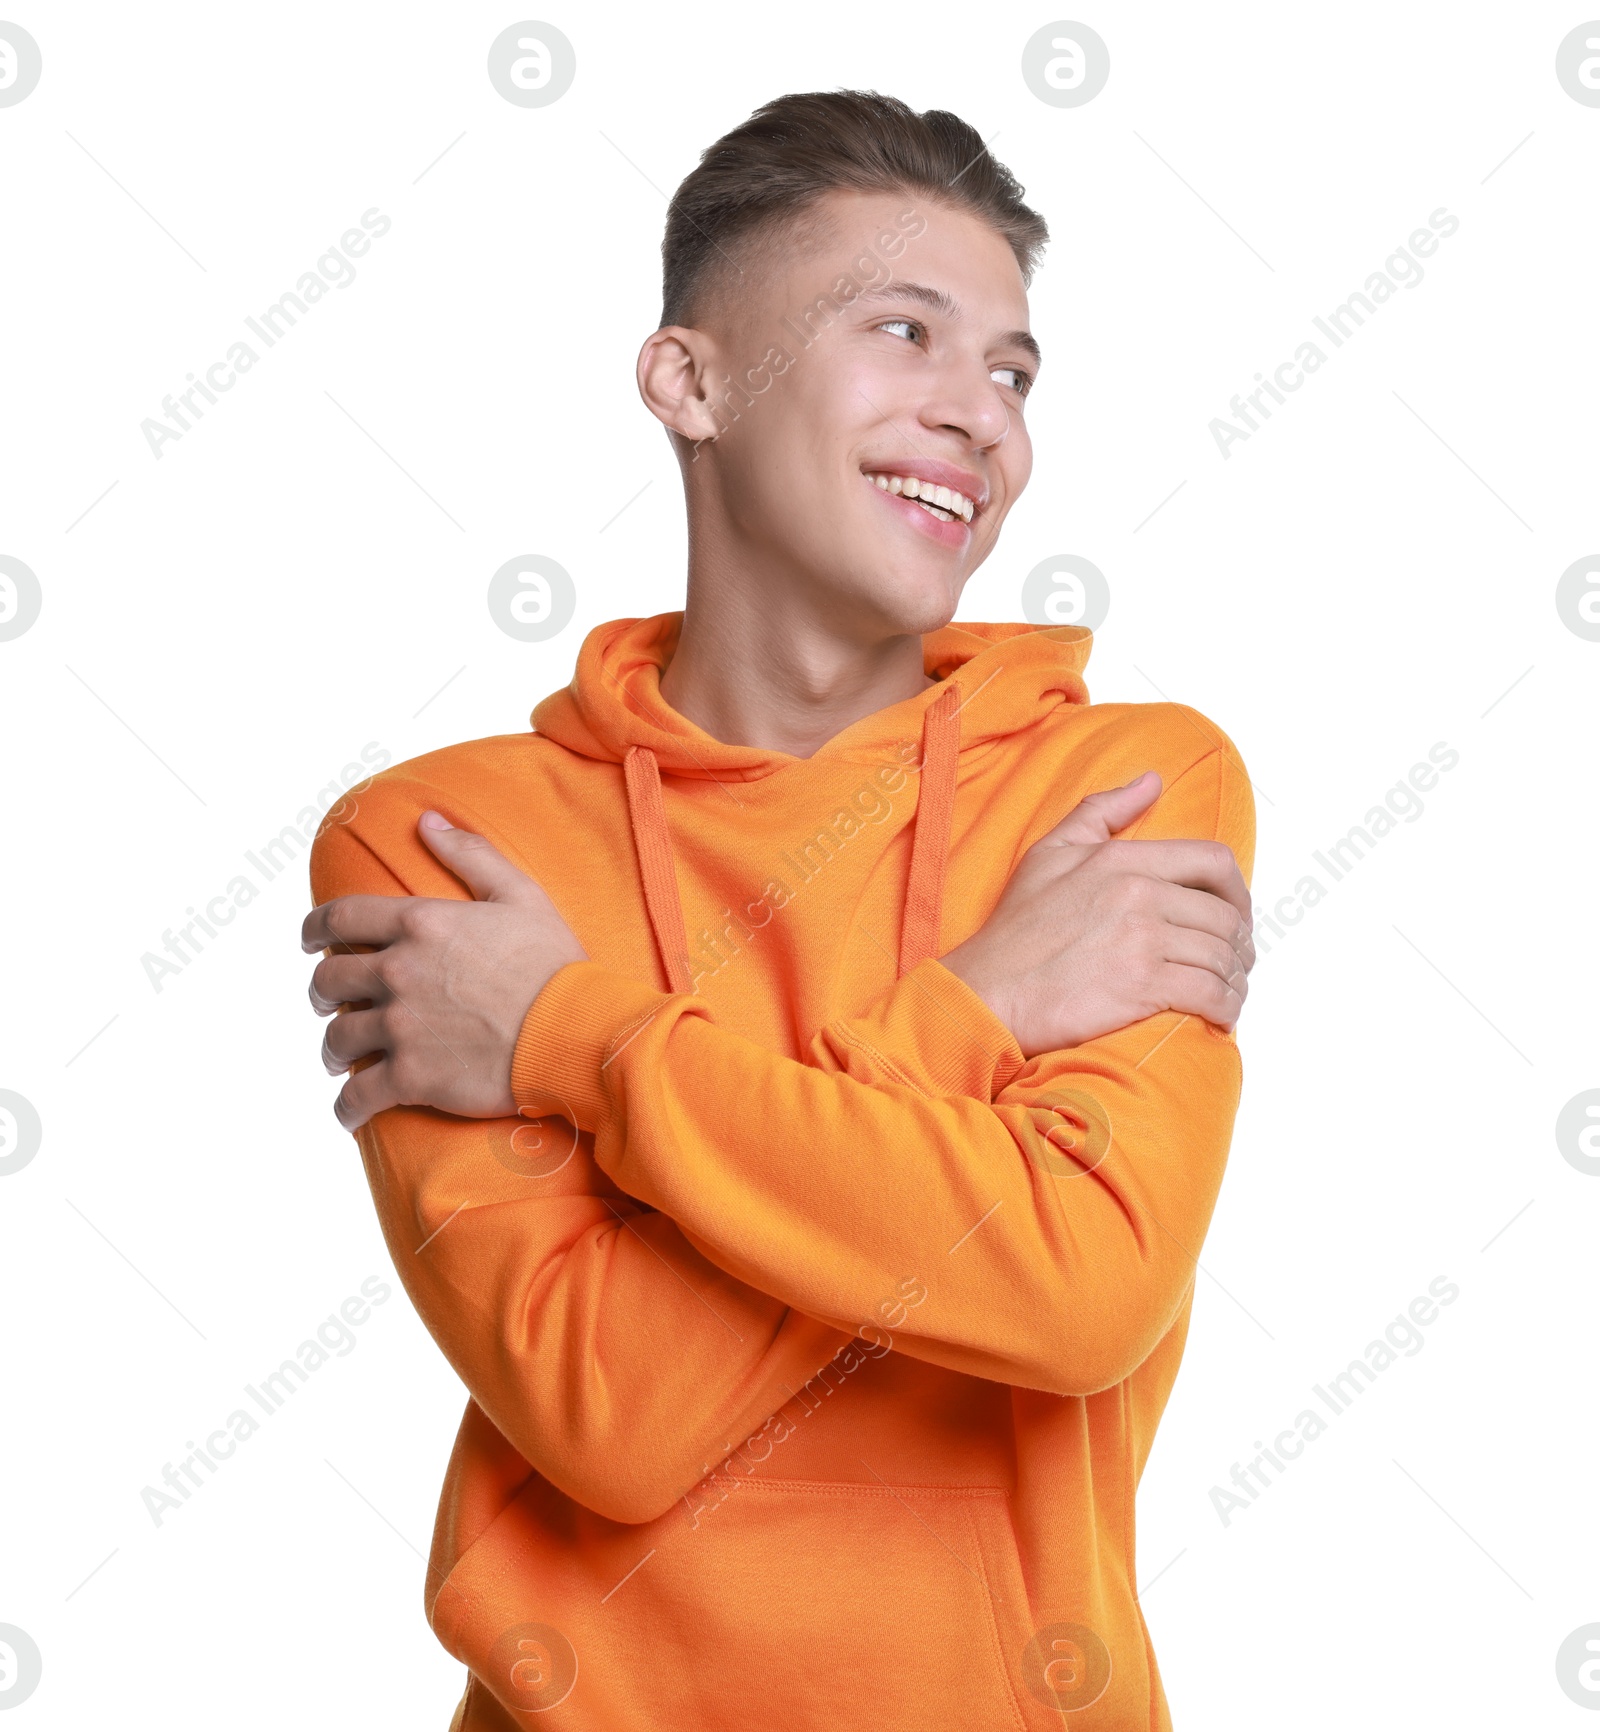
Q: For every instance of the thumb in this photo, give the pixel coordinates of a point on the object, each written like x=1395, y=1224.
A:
x=1096, y=817
x=474, y=859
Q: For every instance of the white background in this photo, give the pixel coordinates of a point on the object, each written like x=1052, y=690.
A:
x=1372, y=572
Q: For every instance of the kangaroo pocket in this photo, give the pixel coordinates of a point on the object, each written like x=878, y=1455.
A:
x=789, y=1603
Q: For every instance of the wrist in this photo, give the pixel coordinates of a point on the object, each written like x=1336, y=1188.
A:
x=559, y=1061
x=968, y=967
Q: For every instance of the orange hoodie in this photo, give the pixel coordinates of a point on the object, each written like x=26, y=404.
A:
x=813, y=1373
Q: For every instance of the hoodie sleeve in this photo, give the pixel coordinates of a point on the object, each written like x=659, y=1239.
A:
x=1051, y=1209
x=613, y=1355
x=945, y=1038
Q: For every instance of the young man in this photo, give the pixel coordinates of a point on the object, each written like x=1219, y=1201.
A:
x=791, y=1110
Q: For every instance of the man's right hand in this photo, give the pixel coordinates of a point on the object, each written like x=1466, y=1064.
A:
x=1093, y=934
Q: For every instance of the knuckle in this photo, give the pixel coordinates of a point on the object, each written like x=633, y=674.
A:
x=375, y=973
x=398, y=973
x=408, y=1077
x=345, y=1041
x=420, y=920
x=1136, y=891
x=1142, y=958
x=347, y=1105
x=1146, y=940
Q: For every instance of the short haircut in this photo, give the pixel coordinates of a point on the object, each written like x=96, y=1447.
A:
x=760, y=182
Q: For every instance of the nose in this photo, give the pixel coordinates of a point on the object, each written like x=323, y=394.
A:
x=964, y=400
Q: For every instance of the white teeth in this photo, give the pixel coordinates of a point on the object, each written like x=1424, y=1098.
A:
x=942, y=502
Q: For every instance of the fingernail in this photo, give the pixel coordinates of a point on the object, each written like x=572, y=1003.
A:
x=436, y=821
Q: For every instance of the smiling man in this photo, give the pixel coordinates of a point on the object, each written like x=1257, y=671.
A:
x=795, y=1079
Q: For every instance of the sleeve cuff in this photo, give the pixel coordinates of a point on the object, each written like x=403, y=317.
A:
x=932, y=1027
x=581, y=1021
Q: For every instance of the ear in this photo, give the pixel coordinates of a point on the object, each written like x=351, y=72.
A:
x=674, y=366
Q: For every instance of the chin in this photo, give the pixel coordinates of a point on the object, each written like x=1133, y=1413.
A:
x=913, y=605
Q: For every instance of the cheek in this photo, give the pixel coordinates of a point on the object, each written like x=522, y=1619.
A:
x=817, y=404
x=1016, y=463
x=860, y=388
x=1019, y=462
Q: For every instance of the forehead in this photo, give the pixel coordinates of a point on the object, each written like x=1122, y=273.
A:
x=852, y=246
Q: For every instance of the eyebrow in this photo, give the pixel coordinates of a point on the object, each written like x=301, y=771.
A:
x=940, y=302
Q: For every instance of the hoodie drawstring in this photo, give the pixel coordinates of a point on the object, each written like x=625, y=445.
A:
x=653, y=844
x=930, y=846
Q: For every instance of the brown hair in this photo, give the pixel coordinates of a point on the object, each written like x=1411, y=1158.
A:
x=758, y=181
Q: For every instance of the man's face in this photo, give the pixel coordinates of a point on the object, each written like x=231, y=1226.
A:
x=893, y=345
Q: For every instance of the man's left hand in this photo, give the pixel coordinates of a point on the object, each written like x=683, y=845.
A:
x=441, y=997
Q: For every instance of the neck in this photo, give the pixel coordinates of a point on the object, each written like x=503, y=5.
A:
x=763, y=669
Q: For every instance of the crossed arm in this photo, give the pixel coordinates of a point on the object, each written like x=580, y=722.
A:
x=1090, y=935
x=1047, y=1114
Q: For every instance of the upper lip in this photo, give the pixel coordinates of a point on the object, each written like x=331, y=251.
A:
x=940, y=474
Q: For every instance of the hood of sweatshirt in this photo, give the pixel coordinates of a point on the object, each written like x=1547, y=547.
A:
x=992, y=681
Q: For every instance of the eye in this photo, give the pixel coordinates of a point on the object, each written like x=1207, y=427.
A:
x=1022, y=381
x=908, y=324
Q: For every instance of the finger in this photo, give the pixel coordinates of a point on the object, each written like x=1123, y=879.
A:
x=1097, y=816
x=353, y=920
x=1202, y=911
x=474, y=859
x=1198, y=992
x=365, y=1093
x=1192, y=949
x=1200, y=865
x=343, y=979
x=355, y=1035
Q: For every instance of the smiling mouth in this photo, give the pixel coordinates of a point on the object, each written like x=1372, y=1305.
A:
x=943, y=503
